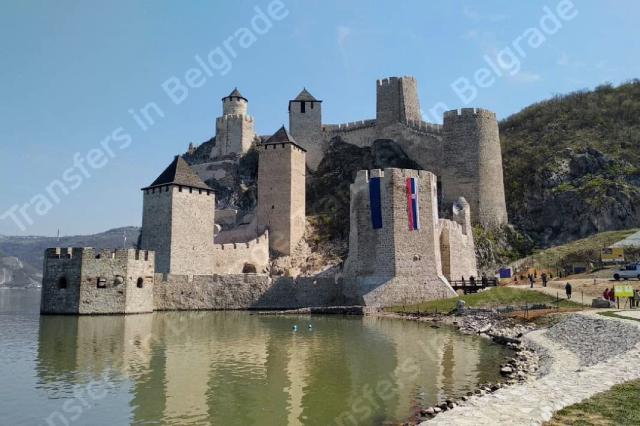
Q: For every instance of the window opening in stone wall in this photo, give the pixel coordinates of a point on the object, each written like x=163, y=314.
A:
x=62, y=282
x=302, y=107
x=101, y=282
x=140, y=282
x=249, y=268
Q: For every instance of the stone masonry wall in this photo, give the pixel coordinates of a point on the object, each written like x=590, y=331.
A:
x=457, y=252
x=393, y=264
x=242, y=291
x=98, y=282
x=156, y=225
x=231, y=258
x=397, y=101
x=305, y=127
x=281, y=195
x=60, y=263
x=473, y=164
x=192, y=231
x=234, y=135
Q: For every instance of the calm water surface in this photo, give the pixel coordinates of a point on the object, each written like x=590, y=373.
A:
x=226, y=368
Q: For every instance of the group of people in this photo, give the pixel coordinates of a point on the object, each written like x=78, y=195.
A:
x=634, y=301
x=532, y=278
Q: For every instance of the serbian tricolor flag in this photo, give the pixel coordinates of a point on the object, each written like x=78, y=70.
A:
x=375, y=203
x=413, y=205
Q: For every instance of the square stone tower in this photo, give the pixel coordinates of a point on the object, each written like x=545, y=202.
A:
x=178, y=220
x=281, y=191
x=397, y=101
x=305, y=123
x=235, y=129
x=88, y=281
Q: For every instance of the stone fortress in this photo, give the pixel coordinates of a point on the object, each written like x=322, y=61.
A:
x=194, y=254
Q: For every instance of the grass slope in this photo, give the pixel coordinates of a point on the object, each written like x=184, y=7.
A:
x=583, y=250
x=499, y=296
x=617, y=406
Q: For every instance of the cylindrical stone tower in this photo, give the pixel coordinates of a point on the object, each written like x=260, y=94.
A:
x=235, y=103
x=473, y=164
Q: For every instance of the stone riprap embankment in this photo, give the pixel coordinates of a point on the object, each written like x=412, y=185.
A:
x=594, y=340
x=571, y=375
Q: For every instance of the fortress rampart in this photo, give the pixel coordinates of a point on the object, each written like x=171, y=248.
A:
x=237, y=258
x=88, y=281
x=464, y=151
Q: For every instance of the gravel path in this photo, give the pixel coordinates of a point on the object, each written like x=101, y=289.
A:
x=569, y=379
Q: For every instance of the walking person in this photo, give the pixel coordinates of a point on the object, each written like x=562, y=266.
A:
x=531, y=281
x=544, y=279
x=636, y=297
x=567, y=289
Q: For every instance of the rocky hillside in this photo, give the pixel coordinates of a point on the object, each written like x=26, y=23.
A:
x=22, y=265
x=328, y=187
x=572, y=164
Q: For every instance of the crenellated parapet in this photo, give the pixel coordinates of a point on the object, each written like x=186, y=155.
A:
x=231, y=117
x=424, y=127
x=469, y=112
x=350, y=126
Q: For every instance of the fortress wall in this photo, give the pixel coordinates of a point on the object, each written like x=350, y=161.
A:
x=58, y=263
x=242, y=291
x=389, y=265
x=98, y=282
x=354, y=133
x=457, y=251
x=232, y=258
x=422, y=146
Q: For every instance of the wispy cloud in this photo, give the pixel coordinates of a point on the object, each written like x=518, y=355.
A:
x=526, y=77
x=474, y=15
x=566, y=61
x=343, y=33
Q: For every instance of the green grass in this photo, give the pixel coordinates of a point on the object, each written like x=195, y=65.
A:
x=614, y=314
x=584, y=250
x=499, y=296
x=617, y=406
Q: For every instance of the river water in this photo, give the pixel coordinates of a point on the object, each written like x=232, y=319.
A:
x=227, y=368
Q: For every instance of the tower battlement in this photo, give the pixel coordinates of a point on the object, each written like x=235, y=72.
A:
x=394, y=80
x=98, y=254
x=242, y=117
x=84, y=280
x=469, y=112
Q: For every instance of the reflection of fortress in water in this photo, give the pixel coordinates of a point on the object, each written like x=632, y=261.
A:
x=205, y=366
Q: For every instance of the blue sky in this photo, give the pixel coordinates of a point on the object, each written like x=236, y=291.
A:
x=71, y=71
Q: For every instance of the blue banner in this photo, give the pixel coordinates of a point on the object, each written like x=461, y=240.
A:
x=375, y=203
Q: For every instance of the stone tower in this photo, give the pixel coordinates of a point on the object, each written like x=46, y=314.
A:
x=397, y=101
x=305, y=123
x=177, y=221
x=390, y=261
x=473, y=164
x=281, y=191
x=235, y=129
